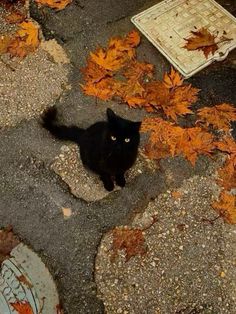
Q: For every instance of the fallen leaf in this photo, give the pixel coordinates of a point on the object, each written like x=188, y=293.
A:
x=130, y=240
x=195, y=141
x=219, y=116
x=173, y=79
x=7, y=243
x=4, y=43
x=102, y=89
x=119, y=51
x=25, y=41
x=67, y=212
x=54, y=4
x=203, y=40
x=226, y=206
x=94, y=73
x=22, y=307
x=59, y=309
x=15, y=17
x=166, y=139
x=136, y=71
x=227, y=174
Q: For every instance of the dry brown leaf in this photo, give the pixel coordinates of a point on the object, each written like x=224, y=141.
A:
x=173, y=79
x=130, y=240
x=195, y=141
x=119, y=51
x=166, y=139
x=227, y=174
x=7, y=243
x=219, y=116
x=4, y=43
x=54, y=4
x=102, y=89
x=15, y=17
x=94, y=73
x=22, y=307
x=226, y=206
x=25, y=41
x=136, y=71
x=203, y=40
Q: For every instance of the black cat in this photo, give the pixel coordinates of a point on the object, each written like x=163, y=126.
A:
x=109, y=148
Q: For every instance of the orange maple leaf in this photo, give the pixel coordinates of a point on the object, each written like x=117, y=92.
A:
x=167, y=139
x=130, y=240
x=102, y=89
x=136, y=71
x=94, y=73
x=54, y=4
x=173, y=79
x=25, y=41
x=219, y=116
x=226, y=206
x=193, y=142
x=22, y=307
x=119, y=51
x=203, y=40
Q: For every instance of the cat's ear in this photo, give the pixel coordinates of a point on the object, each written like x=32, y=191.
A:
x=137, y=125
x=111, y=116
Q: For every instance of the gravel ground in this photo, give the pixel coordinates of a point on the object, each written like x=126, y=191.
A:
x=185, y=270
x=21, y=100
x=82, y=182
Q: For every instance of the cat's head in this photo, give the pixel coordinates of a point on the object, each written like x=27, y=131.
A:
x=123, y=133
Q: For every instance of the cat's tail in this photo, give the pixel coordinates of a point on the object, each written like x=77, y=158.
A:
x=62, y=132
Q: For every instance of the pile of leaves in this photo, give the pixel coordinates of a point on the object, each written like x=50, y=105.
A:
x=26, y=39
x=115, y=73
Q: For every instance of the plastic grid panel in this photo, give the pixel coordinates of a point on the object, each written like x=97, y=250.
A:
x=169, y=22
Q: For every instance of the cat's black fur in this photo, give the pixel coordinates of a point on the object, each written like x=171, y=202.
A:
x=109, y=148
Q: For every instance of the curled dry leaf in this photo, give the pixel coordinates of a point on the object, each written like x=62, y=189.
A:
x=219, y=116
x=132, y=241
x=54, y=4
x=226, y=206
x=22, y=307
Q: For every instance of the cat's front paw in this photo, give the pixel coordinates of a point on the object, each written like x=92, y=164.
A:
x=120, y=180
x=108, y=183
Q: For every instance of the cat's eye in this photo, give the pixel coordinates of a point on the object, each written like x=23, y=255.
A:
x=127, y=140
x=113, y=138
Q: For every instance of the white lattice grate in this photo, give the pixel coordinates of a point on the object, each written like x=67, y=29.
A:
x=167, y=24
